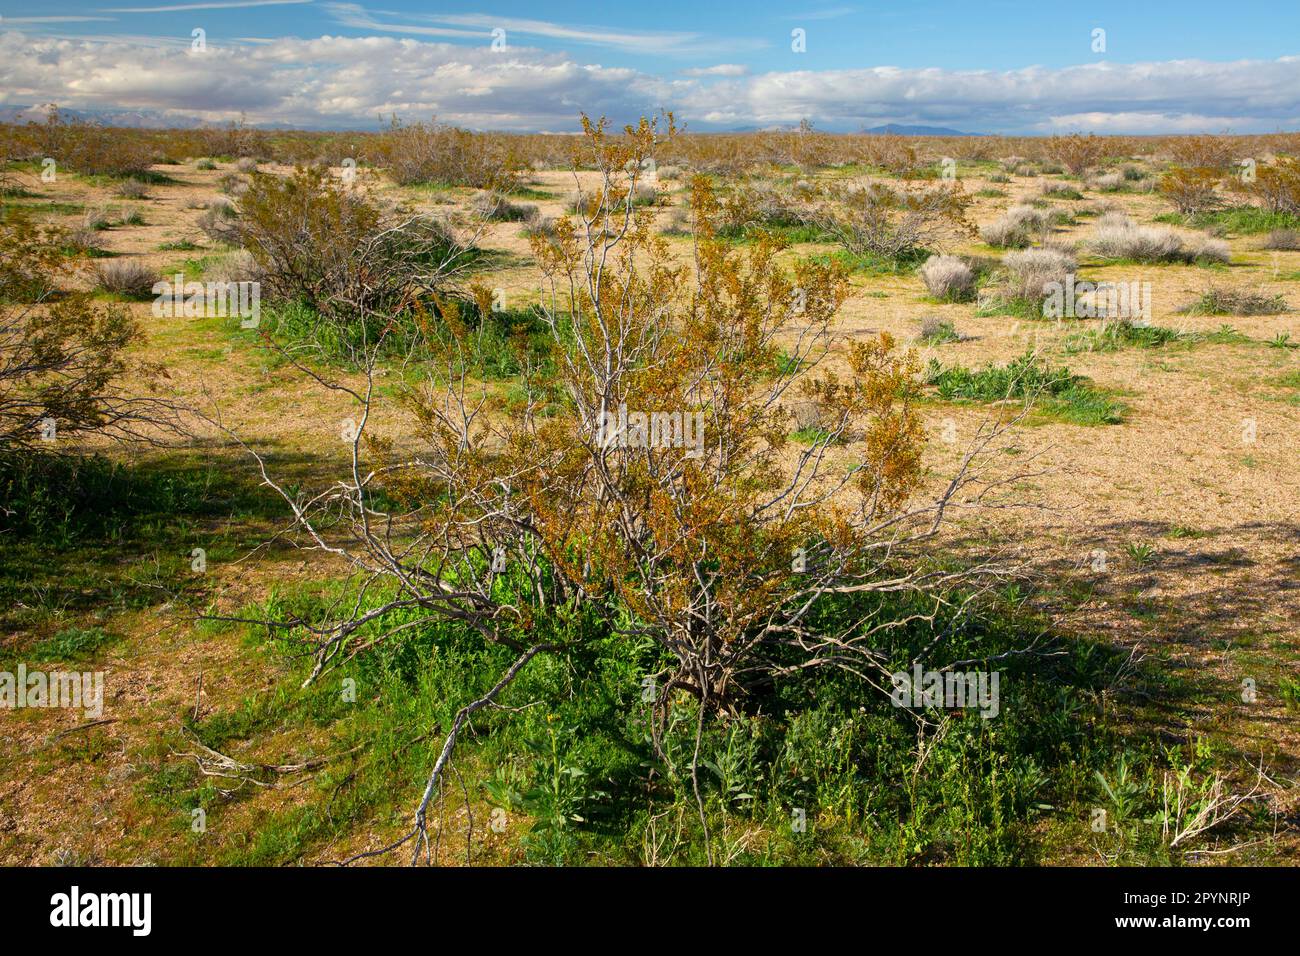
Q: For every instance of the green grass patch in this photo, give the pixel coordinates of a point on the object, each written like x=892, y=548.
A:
x=1244, y=220
x=568, y=762
x=1113, y=336
x=1056, y=393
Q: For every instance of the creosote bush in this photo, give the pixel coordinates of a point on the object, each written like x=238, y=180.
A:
x=64, y=358
x=320, y=242
x=437, y=153
x=642, y=484
x=1191, y=190
x=895, y=225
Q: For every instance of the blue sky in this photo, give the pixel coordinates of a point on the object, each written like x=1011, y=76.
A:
x=996, y=66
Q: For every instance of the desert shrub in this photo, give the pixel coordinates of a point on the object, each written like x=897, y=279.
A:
x=133, y=218
x=239, y=266
x=895, y=225
x=1109, y=182
x=101, y=150
x=98, y=218
x=936, y=330
x=543, y=227
x=999, y=178
x=133, y=189
x=1277, y=186
x=565, y=517
x=1076, y=152
x=679, y=222
x=758, y=204
x=1030, y=272
x=1191, y=190
x=1218, y=300
x=1212, y=153
x=63, y=357
x=246, y=164
x=1018, y=227
x=84, y=242
x=319, y=242
x=220, y=221
x=205, y=164
x=1058, y=190
x=437, y=153
x=495, y=207
x=948, y=278
x=1118, y=237
x=129, y=277
x=1283, y=239
x=231, y=184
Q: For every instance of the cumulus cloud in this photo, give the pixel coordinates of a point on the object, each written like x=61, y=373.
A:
x=348, y=82
x=721, y=69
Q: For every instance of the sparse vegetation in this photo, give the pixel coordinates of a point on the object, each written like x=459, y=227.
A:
x=692, y=641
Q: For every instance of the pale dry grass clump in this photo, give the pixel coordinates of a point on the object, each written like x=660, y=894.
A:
x=1031, y=271
x=133, y=189
x=494, y=207
x=239, y=266
x=1018, y=227
x=1118, y=237
x=1058, y=190
x=1219, y=300
x=125, y=277
x=948, y=278
x=85, y=241
x=1108, y=182
x=98, y=217
x=1283, y=240
x=220, y=221
x=232, y=185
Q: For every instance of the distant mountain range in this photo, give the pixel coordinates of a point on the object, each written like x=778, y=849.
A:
x=135, y=119
x=896, y=129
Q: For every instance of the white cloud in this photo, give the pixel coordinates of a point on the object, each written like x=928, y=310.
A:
x=335, y=81
x=722, y=69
